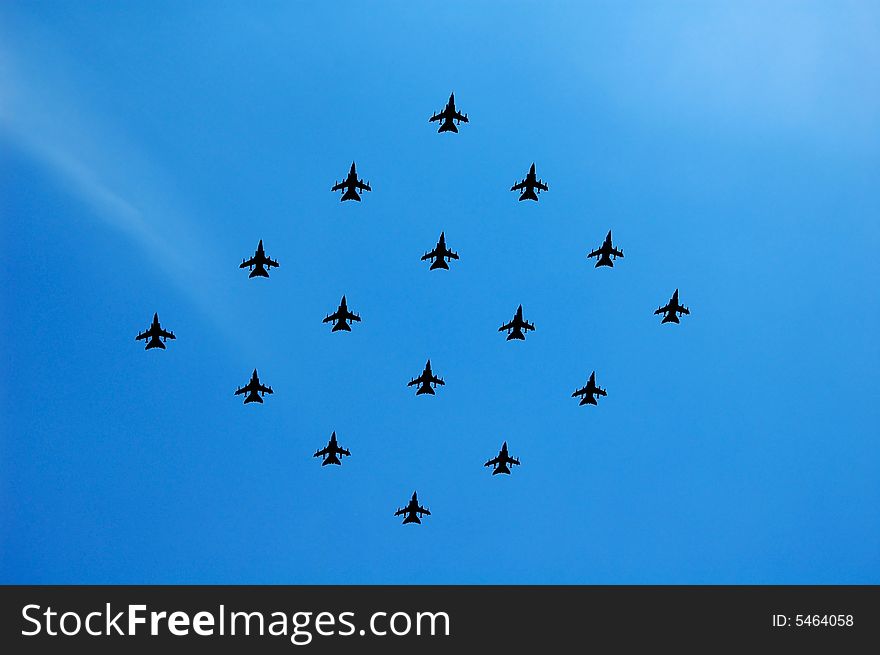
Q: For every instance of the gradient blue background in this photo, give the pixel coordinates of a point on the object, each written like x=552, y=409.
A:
x=732, y=147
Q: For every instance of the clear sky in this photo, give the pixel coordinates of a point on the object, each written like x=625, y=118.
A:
x=733, y=148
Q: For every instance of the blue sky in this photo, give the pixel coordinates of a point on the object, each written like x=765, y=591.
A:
x=145, y=148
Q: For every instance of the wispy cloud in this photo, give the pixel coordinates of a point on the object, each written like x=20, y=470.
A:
x=44, y=116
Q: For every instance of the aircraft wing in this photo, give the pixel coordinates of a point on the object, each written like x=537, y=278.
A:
x=321, y=452
x=353, y=317
x=683, y=310
x=272, y=262
x=518, y=186
x=460, y=117
x=595, y=253
x=528, y=326
x=332, y=317
x=142, y=335
x=492, y=462
x=600, y=391
x=363, y=187
x=400, y=511
x=339, y=186
x=344, y=451
x=437, y=380
x=452, y=255
x=580, y=392
x=414, y=381
x=508, y=326
x=435, y=117
x=662, y=310
x=513, y=460
x=423, y=510
x=264, y=388
x=540, y=184
x=241, y=390
x=249, y=262
x=616, y=252
x=166, y=334
x=429, y=255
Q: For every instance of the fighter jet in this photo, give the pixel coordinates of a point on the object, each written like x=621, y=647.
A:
x=259, y=263
x=590, y=391
x=330, y=452
x=253, y=389
x=606, y=253
x=672, y=310
x=413, y=511
x=426, y=380
x=154, y=332
x=440, y=255
x=528, y=186
x=516, y=326
x=499, y=464
x=341, y=317
x=352, y=185
x=449, y=114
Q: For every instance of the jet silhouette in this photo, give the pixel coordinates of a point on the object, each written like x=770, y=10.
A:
x=605, y=253
x=590, y=391
x=449, y=114
x=413, y=511
x=425, y=380
x=499, y=464
x=154, y=332
x=253, y=389
x=259, y=263
x=341, y=317
x=330, y=452
x=516, y=326
x=352, y=185
x=672, y=310
x=440, y=254
x=528, y=186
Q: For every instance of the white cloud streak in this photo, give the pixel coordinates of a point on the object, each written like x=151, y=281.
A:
x=40, y=115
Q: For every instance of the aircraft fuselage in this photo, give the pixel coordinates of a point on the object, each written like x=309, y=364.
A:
x=155, y=342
